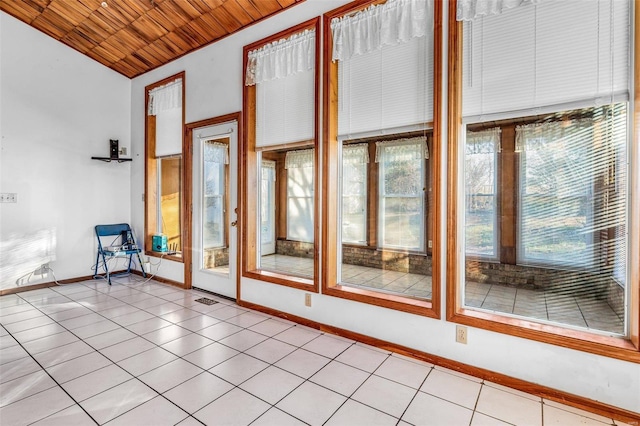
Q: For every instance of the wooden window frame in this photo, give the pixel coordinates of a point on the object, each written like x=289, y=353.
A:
x=330, y=284
x=627, y=349
x=250, y=178
x=151, y=174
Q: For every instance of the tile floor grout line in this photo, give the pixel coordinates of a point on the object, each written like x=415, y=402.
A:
x=115, y=364
x=267, y=338
x=58, y=384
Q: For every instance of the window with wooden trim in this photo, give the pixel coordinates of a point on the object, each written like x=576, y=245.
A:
x=281, y=161
x=381, y=127
x=164, y=106
x=542, y=164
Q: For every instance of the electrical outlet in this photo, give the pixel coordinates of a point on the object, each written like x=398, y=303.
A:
x=8, y=197
x=461, y=334
x=307, y=299
x=123, y=150
x=430, y=244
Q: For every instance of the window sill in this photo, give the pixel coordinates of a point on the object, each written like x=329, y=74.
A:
x=386, y=300
x=177, y=257
x=307, y=284
x=613, y=347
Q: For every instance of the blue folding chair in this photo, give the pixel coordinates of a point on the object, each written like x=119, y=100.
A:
x=127, y=246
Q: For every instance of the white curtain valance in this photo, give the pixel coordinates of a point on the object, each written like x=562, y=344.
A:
x=269, y=165
x=282, y=58
x=268, y=170
x=300, y=158
x=468, y=10
x=216, y=152
x=390, y=23
x=166, y=97
x=483, y=142
x=402, y=149
x=355, y=154
x=531, y=137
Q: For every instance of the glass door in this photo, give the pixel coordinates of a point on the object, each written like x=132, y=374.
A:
x=215, y=172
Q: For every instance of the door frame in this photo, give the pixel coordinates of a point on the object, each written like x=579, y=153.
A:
x=187, y=204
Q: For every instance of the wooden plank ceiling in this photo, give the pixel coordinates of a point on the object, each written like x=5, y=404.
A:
x=136, y=36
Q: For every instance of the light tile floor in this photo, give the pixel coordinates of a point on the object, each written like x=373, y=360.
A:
x=143, y=353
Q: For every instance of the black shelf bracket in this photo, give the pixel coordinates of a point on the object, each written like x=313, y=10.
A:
x=109, y=159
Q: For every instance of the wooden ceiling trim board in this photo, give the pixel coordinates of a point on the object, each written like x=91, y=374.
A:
x=174, y=13
x=147, y=54
x=215, y=28
x=101, y=24
x=114, y=48
x=227, y=21
x=129, y=39
x=266, y=7
x=250, y=9
x=136, y=36
x=78, y=41
x=96, y=55
x=135, y=63
x=286, y=3
x=195, y=33
x=148, y=29
x=105, y=53
x=126, y=69
x=212, y=4
x=235, y=10
x=189, y=9
x=73, y=12
x=159, y=17
x=21, y=11
x=116, y=20
x=159, y=50
x=39, y=3
x=176, y=40
x=92, y=5
x=135, y=9
x=46, y=22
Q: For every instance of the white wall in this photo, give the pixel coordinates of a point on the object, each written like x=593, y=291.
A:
x=58, y=108
x=214, y=87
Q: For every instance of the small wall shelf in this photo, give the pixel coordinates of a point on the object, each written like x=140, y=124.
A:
x=108, y=159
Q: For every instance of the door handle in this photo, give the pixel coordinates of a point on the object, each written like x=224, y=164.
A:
x=234, y=223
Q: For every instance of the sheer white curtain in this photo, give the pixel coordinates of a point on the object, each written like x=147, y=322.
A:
x=468, y=10
x=282, y=58
x=216, y=152
x=387, y=24
x=299, y=158
x=484, y=141
x=355, y=154
x=166, y=97
x=402, y=149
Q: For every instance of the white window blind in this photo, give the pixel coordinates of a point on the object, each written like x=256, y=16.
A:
x=285, y=90
x=165, y=102
x=551, y=56
x=387, y=85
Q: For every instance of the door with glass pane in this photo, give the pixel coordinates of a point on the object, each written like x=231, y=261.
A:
x=268, y=208
x=215, y=172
